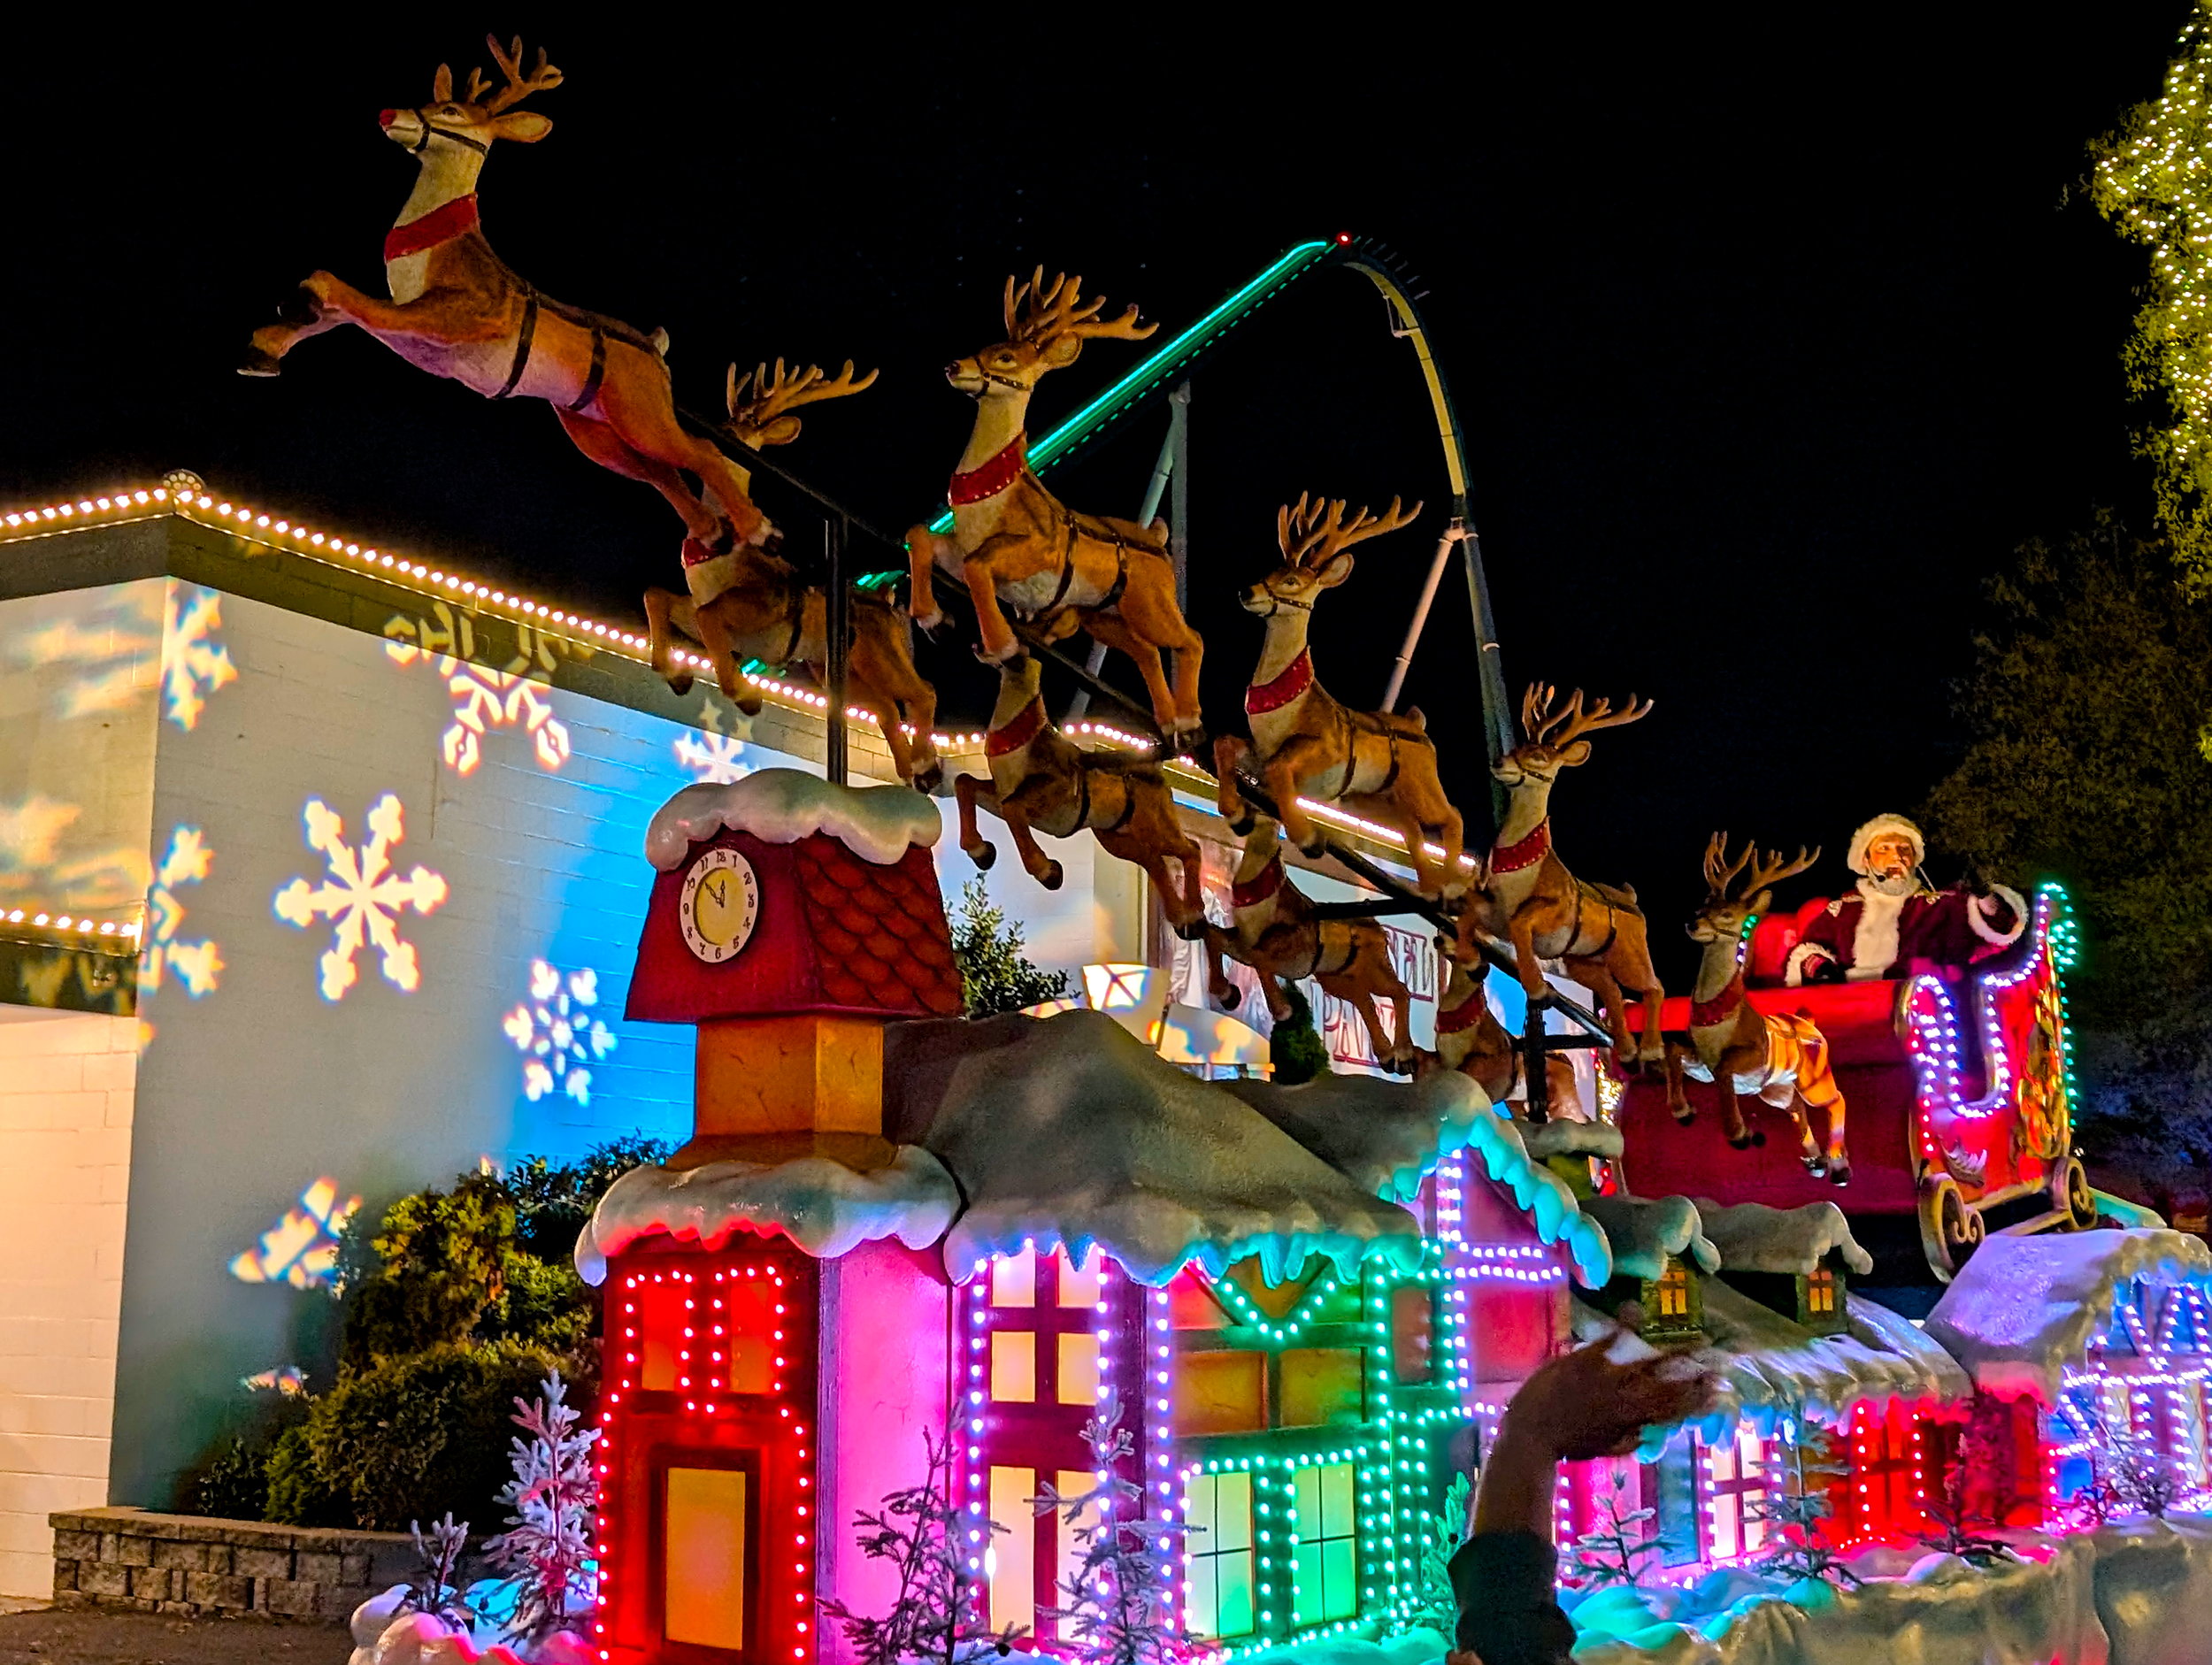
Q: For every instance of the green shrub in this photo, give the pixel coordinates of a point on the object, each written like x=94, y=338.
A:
x=407, y=1438
x=553, y=1202
x=445, y=1256
x=545, y=1303
x=296, y=1492
x=1294, y=1047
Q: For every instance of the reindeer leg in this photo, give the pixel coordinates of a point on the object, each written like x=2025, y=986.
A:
x=1298, y=758
x=1678, y=1103
x=969, y=791
x=881, y=645
x=635, y=406
x=663, y=610
x=1816, y=1086
x=1116, y=634
x=728, y=671
x=1598, y=978
x=925, y=552
x=1217, y=983
x=324, y=303
x=1039, y=866
x=999, y=643
x=1229, y=751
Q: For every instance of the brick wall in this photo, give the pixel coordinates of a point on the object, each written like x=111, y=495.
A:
x=67, y=1081
x=190, y=1564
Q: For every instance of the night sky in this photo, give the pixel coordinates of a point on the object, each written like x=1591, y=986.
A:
x=1770, y=346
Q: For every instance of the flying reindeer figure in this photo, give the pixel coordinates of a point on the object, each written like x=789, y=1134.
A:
x=1017, y=546
x=1531, y=902
x=751, y=604
x=1042, y=782
x=1780, y=1057
x=457, y=311
x=1471, y=1039
x=1375, y=764
x=1284, y=936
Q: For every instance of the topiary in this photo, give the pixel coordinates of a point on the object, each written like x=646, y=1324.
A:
x=408, y=1437
x=1296, y=1047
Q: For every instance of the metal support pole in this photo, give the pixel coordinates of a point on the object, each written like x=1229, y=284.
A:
x=1454, y=531
x=1174, y=451
x=834, y=627
x=1535, y=1079
x=1497, y=714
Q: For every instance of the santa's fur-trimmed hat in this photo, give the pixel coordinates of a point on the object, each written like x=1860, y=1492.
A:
x=1890, y=825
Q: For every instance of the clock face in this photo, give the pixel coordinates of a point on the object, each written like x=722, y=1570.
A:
x=720, y=905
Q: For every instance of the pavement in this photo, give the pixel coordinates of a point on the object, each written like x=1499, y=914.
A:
x=87, y=1636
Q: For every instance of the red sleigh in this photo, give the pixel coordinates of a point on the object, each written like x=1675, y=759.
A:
x=1957, y=1085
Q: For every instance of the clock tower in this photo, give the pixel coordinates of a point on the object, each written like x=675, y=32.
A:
x=790, y=921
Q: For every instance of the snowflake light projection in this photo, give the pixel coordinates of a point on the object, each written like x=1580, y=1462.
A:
x=483, y=699
x=301, y=1247
x=362, y=896
x=197, y=965
x=556, y=1034
x=714, y=759
x=193, y=665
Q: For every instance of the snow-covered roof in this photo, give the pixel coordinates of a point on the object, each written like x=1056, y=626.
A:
x=782, y=806
x=826, y=1208
x=2023, y=1308
x=1068, y=1130
x=1551, y=1208
x=1645, y=1230
x=1773, y=1370
x=1753, y=1238
x=1564, y=1136
x=1384, y=1136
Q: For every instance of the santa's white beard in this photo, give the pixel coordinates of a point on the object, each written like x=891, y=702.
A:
x=1889, y=884
x=1874, y=944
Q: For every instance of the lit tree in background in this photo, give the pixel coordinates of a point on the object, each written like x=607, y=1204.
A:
x=2154, y=181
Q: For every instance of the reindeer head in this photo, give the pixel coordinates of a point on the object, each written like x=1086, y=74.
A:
x=471, y=123
x=1554, y=733
x=1736, y=892
x=760, y=402
x=1046, y=328
x=1317, y=543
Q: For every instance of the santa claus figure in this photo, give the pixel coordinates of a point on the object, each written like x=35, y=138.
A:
x=1896, y=924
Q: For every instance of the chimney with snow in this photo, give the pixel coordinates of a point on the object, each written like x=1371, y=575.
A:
x=791, y=920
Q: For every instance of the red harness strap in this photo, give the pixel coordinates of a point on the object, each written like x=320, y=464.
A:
x=1511, y=858
x=1250, y=893
x=992, y=477
x=1466, y=1015
x=1296, y=677
x=440, y=225
x=1705, y=1014
x=1016, y=733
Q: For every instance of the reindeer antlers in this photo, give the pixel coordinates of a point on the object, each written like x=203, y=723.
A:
x=1547, y=723
x=542, y=78
x=1313, y=529
x=1038, y=313
x=771, y=394
x=1768, y=869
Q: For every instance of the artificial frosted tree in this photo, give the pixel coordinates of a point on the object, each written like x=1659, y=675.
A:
x=1435, y=1603
x=434, y=1588
x=934, y=1617
x=1960, y=1519
x=1794, y=1512
x=1617, y=1551
x=1120, y=1609
x=547, y=1547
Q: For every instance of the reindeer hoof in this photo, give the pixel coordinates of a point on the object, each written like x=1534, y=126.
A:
x=1840, y=1173
x=1243, y=823
x=1317, y=848
x=748, y=704
x=1744, y=1142
x=300, y=308
x=983, y=856
x=261, y=362
x=1050, y=878
x=927, y=780
x=1192, y=929
x=1758, y=1138
x=1683, y=1116
x=1011, y=650
x=679, y=683
x=1817, y=1166
x=931, y=623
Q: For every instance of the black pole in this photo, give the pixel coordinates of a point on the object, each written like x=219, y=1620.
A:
x=833, y=612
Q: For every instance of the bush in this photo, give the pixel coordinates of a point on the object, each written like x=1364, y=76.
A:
x=1294, y=1047
x=552, y=1203
x=406, y=1438
x=296, y=1492
x=445, y=1259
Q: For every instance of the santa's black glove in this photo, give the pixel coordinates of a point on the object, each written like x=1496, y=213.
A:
x=1823, y=970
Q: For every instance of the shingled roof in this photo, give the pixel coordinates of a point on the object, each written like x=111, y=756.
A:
x=881, y=930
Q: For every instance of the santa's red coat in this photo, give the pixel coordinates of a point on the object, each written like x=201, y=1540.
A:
x=1934, y=929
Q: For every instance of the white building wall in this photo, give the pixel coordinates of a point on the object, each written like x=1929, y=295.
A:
x=67, y=1085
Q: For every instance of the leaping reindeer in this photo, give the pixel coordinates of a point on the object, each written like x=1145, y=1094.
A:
x=1376, y=764
x=749, y=604
x=1780, y=1057
x=1471, y=1039
x=1042, y=782
x=1531, y=900
x=457, y=311
x=1016, y=545
x=1283, y=936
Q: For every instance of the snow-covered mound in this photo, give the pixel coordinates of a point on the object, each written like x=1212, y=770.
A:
x=826, y=1208
x=2024, y=1307
x=1753, y=1238
x=1068, y=1130
x=782, y=806
x=1562, y=1136
x=1645, y=1230
x=387, y=1631
x=1386, y=1136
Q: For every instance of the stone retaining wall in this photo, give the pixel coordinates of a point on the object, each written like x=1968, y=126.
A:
x=206, y=1567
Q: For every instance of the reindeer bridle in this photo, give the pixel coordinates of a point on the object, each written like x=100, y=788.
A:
x=429, y=127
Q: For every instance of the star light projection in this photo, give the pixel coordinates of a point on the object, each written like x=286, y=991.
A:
x=301, y=1247
x=558, y=1039
x=362, y=896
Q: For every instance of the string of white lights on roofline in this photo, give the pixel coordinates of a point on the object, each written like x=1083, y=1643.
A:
x=284, y=533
